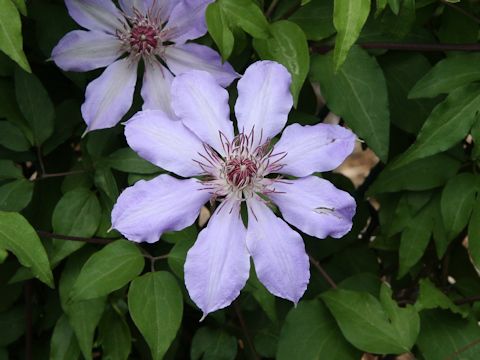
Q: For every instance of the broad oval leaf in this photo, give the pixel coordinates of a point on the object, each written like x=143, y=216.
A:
x=35, y=105
x=156, y=306
x=12, y=137
x=208, y=343
x=108, y=270
x=127, y=160
x=447, y=75
x=18, y=236
x=16, y=195
x=458, y=199
x=310, y=330
x=247, y=15
x=76, y=214
x=348, y=18
x=315, y=19
x=219, y=29
x=8, y=170
x=289, y=47
x=357, y=93
x=63, y=344
x=11, y=41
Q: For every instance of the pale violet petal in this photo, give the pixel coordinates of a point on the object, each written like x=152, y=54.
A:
x=278, y=252
x=309, y=149
x=164, y=142
x=156, y=88
x=81, y=50
x=146, y=210
x=217, y=266
x=101, y=15
x=315, y=206
x=187, y=21
x=264, y=99
x=202, y=105
x=110, y=96
x=183, y=58
x=155, y=9
x=129, y=6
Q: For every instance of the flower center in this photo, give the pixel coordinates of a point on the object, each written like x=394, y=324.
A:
x=240, y=172
x=144, y=38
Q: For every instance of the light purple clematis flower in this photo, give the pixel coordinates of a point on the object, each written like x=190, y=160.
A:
x=235, y=169
x=152, y=30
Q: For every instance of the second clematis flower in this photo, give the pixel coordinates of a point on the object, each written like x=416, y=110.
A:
x=232, y=169
x=153, y=30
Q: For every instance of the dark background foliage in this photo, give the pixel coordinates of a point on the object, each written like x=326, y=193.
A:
x=404, y=76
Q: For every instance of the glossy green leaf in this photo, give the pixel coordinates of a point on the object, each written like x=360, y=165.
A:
x=8, y=170
x=415, y=238
x=127, y=160
x=115, y=336
x=108, y=270
x=178, y=254
x=16, y=195
x=289, y=47
x=422, y=174
x=431, y=297
x=315, y=19
x=35, y=105
x=18, y=236
x=156, y=307
x=208, y=343
x=76, y=214
x=447, y=75
x=447, y=125
x=348, y=19
x=63, y=344
x=247, y=15
x=219, y=29
x=83, y=316
x=358, y=94
x=12, y=137
x=444, y=335
x=311, y=331
x=11, y=42
x=458, y=199
x=373, y=326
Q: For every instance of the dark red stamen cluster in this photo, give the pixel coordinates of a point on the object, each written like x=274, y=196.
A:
x=240, y=172
x=143, y=38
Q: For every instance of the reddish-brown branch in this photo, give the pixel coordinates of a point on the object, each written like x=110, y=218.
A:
x=93, y=240
x=322, y=272
x=322, y=48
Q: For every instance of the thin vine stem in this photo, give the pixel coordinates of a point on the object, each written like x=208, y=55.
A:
x=322, y=272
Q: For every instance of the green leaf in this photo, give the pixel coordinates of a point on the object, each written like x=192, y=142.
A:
x=18, y=236
x=83, y=316
x=12, y=137
x=247, y=15
x=21, y=6
x=444, y=335
x=16, y=195
x=178, y=254
x=422, y=174
x=261, y=295
x=108, y=270
x=76, y=214
x=458, y=199
x=105, y=181
x=310, y=330
x=289, y=47
x=127, y=160
x=315, y=19
x=394, y=5
x=358, y=94
x=402, y=71
x=35, y=105
x=156, y=306
x=115, y=336
x=11, y=41
x=371, y=326
x=431, y=298
x=348, y=18
x=8, y=170
x=12, y=325
x=415, y=238
x=208, y=343
x=474, y=234
x=219, y=29
x=448, y=124
x=63, y=344
x=448, y=75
